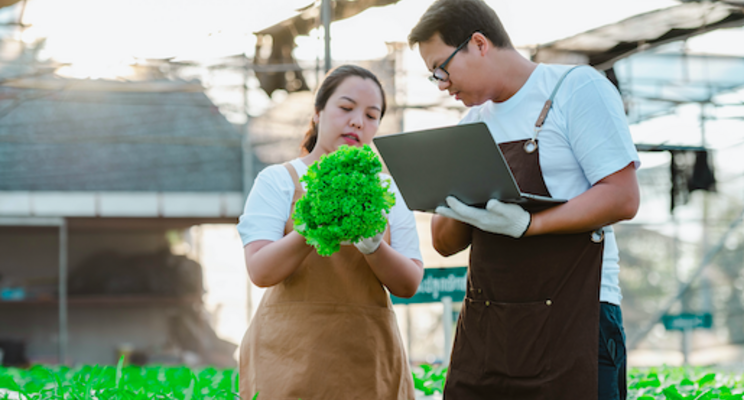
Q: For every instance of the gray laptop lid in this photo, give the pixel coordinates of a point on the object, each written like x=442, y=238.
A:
x=462, y=160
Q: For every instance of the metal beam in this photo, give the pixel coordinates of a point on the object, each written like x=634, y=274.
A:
x=31, y=221
x=325, y=16
x=63, y=339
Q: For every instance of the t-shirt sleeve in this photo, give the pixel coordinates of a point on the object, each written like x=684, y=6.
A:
x=268, y=206
x=597, y=127
x=403, y=234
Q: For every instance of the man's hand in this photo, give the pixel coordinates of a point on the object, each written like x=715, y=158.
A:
x=506, y=219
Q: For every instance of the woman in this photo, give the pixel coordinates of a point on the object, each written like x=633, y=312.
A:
x=325, y=328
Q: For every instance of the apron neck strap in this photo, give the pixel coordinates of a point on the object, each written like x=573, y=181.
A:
x=531, y=145
x=549, y=103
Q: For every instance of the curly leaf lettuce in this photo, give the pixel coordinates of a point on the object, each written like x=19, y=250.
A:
x=345, y=201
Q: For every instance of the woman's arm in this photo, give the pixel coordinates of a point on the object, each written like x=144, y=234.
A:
x=270, y=262
x=450, y=236
x=400, y=274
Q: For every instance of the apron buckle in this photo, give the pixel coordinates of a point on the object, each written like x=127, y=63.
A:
x=530, y=146
x=598, y=235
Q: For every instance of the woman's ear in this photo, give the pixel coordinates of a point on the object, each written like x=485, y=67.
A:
x=316, y=118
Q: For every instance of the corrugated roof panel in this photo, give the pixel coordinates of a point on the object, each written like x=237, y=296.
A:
x=111, y=141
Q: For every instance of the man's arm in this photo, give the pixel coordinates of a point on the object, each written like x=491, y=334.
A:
x=450, y=236
x=614, y=198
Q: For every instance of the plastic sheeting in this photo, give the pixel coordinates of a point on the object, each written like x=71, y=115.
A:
x=654, y=83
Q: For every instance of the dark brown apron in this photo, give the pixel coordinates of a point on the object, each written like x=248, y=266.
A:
x=529, y=322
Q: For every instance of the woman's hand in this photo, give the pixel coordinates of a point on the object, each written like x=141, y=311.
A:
x=369, y=245
x=269, y=263
x=400, y=274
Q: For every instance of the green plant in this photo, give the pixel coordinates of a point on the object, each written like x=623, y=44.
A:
x=680, y=383
x=345, y=200
x=119, y=383
x=158, y=382
x=429, y=379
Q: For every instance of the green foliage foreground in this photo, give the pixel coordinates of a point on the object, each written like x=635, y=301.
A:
x=671, y=383
x=120, y=383
x=157, y=382
x=677, y=383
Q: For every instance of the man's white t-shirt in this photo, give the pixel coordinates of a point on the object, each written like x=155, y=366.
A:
x=268, y=209
x=584, y=139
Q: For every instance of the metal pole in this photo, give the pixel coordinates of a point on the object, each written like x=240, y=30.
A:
x=63, y=292
x=686, y=339
x=326, y=16
x=246, y=138
x=247, y=170
x=447, y=321
x=705, y=290
x=409, y=331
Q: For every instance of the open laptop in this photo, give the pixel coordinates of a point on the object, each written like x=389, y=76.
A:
x=462, y=161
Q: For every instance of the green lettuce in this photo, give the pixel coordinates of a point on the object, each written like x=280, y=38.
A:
x=345, y=201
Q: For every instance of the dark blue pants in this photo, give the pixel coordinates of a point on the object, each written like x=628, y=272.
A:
x=612, y=355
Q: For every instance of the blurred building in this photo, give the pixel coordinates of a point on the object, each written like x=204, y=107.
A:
x=97, y=181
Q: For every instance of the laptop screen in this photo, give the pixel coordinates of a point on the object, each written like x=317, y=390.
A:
x=462, y=161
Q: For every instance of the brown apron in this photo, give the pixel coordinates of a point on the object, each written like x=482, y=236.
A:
x=326, y=332
x=529, y=322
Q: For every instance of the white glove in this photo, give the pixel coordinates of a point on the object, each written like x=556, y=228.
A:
x=371, y=244
x=506, y=219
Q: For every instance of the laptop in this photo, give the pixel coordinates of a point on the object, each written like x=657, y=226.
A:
x=462, y=161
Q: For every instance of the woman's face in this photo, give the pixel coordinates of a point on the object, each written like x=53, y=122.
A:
x=351, y=116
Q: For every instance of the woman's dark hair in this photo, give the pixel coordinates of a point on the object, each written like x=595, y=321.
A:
x=455, y=20
x=332, y=80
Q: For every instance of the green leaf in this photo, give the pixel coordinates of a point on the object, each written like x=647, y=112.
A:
x=706, y=395
x=189, y=393
x=707, y=379
x=119, y=368
x=7, y=382
x=686, y=382
x=672, y=393
x=653, y=381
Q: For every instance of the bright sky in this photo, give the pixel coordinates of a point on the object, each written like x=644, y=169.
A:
x=109, y=32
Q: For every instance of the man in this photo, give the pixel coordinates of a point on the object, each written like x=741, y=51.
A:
x=528, y=328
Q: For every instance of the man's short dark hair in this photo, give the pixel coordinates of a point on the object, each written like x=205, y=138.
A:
x=455, y=20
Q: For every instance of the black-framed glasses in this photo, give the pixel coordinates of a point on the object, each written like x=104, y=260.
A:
x=440, y=74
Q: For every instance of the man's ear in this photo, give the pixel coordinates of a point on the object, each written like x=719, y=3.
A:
x=482, y=42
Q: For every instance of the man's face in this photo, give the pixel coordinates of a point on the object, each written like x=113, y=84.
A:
x=460, y=69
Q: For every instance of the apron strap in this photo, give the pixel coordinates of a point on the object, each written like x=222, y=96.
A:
x=549, y=103
x=531, y=145
x=299, y=191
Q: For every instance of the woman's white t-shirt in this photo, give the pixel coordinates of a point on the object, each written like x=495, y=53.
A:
x=584, y=139
x=267, y=210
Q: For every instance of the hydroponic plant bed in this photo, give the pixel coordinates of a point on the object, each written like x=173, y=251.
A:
x=159, y=382
x=120, y=383
x=657, y=383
